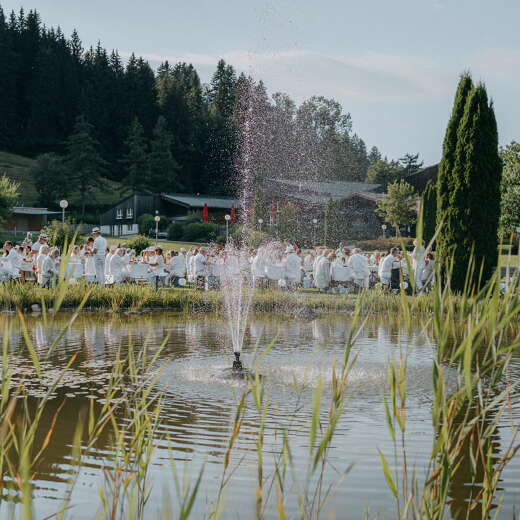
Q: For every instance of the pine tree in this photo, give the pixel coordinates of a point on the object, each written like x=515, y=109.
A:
x=51, y=179
x=429, y=204
x=83, y=162
x=135, y=160
x=448, y=216
x=410, y=163
x=164, y=169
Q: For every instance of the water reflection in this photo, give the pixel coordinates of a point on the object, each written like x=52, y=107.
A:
x=199, y=403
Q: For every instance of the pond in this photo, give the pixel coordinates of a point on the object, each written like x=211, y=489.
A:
x=200, y=401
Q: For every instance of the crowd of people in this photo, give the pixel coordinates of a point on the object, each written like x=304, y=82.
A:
x=278, y=264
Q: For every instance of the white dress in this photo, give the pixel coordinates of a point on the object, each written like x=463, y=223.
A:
x=292, y=266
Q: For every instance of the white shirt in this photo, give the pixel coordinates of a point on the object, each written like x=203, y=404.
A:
x=48, y=266
x=14, y=259
x=359, y=265
x=178, y=265
x=385, y=267
x=36, y=246
x=292, y=264
x=100, y=244
x=199, y=269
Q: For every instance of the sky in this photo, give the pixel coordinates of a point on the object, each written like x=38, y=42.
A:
x=394, y=66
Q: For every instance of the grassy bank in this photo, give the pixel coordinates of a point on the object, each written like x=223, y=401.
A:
x=15, y=296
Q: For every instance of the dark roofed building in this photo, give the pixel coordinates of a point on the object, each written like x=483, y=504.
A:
x=121, y=219
x=420, y=179
x=28, y=219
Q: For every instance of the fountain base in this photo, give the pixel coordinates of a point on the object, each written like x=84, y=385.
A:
x=237, y=364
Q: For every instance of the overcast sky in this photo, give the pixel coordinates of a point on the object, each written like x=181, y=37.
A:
x=393, y=65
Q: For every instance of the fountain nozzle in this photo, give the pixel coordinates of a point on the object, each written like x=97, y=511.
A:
x=237, y=364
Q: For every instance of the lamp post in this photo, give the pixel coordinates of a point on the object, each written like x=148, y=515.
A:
x=63, y=204
x=315, y=222
x=383, y=227
x=260, y=221
x=228, y=218
x=157, y=219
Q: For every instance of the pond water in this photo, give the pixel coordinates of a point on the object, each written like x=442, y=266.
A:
x=200, y=403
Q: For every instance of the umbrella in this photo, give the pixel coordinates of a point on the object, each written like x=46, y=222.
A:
x=205, y=213
x=233, y=217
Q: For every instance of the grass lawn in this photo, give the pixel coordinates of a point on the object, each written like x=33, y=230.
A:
x=17, y=168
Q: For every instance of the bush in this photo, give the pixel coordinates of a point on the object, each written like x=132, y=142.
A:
x=58, y=233
x=175, y=231
x=139, y=243
x=198, y=232
x=145, y=223
x=384, y=244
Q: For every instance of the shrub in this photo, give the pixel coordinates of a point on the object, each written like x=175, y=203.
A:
x=175, y=231
x=58, y=233
x=384, y=244
x=145, y=223
x=139, y=243
x=196, y=231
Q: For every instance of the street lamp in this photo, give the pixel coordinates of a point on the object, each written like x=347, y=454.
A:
x=63, y=204
x=157, y=219
x=383, y=227
x=260, y=221
x=228, y=218
x=315, y=222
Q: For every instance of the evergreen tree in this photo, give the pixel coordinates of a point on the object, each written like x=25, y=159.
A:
x=288, y=224
x=429, y=204
x=83, y=162
x=374, y=155
x=51, y=179
x=164, y=169
x=475, y=192
x=410, y=164
x=448, y=213
x=135, y=160
x=384, y=172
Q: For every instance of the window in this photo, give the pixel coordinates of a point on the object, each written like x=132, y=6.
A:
x=129, y=213
x=119, y=213
x=129, y=227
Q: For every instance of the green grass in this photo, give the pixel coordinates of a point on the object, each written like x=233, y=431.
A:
x=165, y=244
x=17, y=168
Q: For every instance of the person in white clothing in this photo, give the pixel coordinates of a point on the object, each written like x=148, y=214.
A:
x=13, y=260
x=258, y=266
x=385, y=267
x=108, y=257
x=117, y=264
x=418, y=255
x=42, y=240
x=199, y=268
x=322, y=278
x=360, y=270
x=177, y=268
x=99, y=251
x=49, y=267
x=292, y=264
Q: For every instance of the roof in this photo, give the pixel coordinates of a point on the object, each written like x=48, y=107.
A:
x=198, y=201
x=22, y=210
x=319, y=192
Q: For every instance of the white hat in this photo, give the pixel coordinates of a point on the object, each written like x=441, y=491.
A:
x=43, y=235
x=182, y=249
x=95, y=230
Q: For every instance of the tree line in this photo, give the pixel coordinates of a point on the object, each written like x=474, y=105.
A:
x=88, y=116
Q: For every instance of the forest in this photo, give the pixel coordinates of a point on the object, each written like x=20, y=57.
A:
x=94, y=121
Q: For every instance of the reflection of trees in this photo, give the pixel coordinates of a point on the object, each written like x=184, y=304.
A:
x=467, y=480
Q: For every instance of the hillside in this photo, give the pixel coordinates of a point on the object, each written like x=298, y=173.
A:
x=18, y=169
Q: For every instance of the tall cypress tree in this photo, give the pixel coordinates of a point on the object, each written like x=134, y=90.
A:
x=474, y=198
x=448, y=214
x=429, y=211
